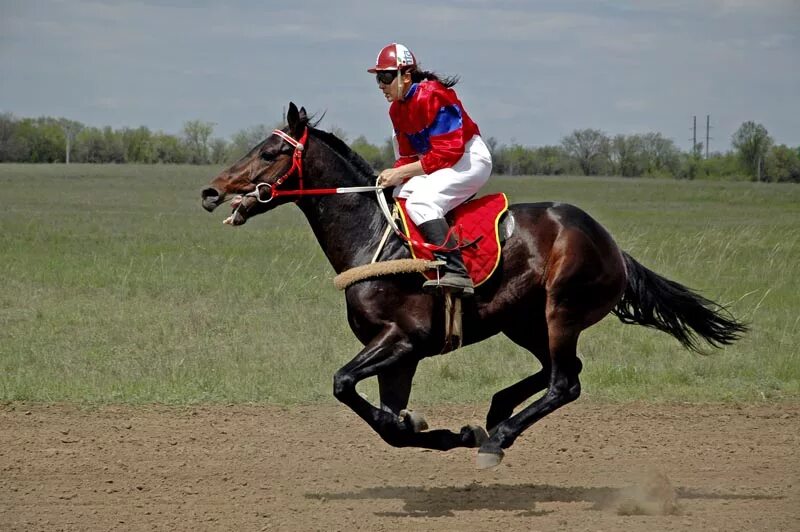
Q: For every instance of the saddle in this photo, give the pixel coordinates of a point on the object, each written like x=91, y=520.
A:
x=476, y=227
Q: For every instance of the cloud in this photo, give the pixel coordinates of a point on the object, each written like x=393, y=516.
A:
x=633, y=104
x=777, y=40
x=107, y=103
x=530, y=70
x=757, y=6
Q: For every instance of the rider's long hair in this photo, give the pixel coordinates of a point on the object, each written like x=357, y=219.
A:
x=427, y=75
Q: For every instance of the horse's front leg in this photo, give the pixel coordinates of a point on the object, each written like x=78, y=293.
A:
x=391, y=351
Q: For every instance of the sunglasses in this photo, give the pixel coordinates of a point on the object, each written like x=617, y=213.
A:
x=386, y=76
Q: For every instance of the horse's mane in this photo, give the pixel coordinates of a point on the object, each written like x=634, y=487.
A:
x=345, y=152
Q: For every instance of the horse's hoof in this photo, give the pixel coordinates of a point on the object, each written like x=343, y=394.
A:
x=488, y=460
x=414, y=419
x=475, y=434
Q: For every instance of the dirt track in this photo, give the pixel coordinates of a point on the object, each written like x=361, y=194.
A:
x=586, y=467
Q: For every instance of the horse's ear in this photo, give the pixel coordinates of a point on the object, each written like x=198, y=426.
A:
x=292, y=116
x=297, y=119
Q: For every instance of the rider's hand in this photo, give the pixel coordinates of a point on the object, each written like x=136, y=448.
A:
x=391, y=177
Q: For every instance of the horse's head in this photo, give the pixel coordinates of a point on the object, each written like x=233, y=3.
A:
x=248, y=183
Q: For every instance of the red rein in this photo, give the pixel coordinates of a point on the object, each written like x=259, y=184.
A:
x=297, y=164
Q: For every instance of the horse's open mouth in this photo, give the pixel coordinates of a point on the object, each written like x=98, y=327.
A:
x=240, y=205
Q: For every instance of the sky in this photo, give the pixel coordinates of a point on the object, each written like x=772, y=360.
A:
x=531, y=71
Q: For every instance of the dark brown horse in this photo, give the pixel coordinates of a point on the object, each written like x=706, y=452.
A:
x=560, y=273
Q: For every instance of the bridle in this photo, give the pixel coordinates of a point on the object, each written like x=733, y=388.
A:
x=297, y=166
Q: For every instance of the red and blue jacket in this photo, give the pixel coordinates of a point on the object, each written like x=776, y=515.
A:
x=431, y=126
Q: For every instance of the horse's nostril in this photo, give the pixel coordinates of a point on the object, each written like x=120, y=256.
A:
x=209, y=193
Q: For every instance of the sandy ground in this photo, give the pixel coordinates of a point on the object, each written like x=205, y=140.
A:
x=587, y=467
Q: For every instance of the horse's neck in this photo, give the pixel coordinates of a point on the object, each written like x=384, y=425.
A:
x=348, y=227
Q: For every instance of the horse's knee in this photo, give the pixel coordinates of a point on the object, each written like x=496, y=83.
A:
x=566, y=390
x=343, y=385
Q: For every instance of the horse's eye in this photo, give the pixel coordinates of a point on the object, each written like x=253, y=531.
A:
x=266, y=156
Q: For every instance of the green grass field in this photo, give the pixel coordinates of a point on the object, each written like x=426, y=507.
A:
x=118, y=287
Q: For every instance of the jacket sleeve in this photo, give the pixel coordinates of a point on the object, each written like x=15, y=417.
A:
x=445, y=133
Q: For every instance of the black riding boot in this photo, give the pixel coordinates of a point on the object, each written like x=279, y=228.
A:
x=453, y=275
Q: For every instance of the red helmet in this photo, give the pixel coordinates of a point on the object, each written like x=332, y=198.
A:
x=394, y=56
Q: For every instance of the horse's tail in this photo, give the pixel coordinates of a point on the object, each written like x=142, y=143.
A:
x=657, y=302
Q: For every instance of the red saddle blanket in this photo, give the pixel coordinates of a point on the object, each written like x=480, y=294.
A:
x=474, y=221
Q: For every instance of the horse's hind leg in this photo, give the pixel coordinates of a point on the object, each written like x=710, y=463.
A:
x=506, y=400
x=564, y=387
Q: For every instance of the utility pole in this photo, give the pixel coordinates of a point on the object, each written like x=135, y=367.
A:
x=708, y=128
x=694, y=135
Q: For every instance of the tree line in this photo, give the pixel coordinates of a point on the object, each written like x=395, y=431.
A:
x=590, y=152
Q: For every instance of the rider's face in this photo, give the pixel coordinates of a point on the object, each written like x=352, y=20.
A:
x=389, y=82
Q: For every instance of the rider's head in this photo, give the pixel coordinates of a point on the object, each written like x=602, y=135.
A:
x=393, y=69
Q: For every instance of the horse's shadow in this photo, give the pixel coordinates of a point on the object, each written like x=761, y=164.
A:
x=420, y=501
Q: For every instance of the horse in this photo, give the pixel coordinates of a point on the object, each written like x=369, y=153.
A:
x=560, y=273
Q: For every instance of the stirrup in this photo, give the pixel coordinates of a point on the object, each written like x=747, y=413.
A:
x=452, y=283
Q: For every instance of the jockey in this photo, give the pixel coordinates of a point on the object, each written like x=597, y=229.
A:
x=441, y=159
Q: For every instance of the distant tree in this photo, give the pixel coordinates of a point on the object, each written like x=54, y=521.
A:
x=196, y=134
x=169, y=149
x=339, y=132
x=371, y=153
x=71, y=129
x=783, y=164
x=388, y=153
x=41, y=140
x=716, y=166
x=89, y=146
x=137, y=145
x=492, y=144
x=550, y=160
x=513, y=160
x=662, y=156
x=12, y=148
x=752, y=142
x=94, y=145
x=626, y=154
x=589, y=148
x=220, y=152
x=522, y=160
x=114, y=146
x=245, y=139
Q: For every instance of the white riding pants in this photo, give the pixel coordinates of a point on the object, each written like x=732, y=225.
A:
x=431, y=196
